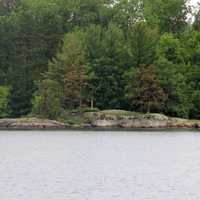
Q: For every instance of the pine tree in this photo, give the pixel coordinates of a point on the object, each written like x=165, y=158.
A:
x=74, y=84
x=72, y=61
x=66, y=73
x=148, y=92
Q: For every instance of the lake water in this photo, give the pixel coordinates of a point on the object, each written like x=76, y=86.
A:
x=99, y=166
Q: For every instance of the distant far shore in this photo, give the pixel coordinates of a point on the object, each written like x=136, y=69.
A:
x=102, y=119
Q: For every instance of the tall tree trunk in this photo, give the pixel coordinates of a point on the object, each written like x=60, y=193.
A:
x=149, y=107
x=92, y=104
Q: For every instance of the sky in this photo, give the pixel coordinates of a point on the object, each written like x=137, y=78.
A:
x=194, y=2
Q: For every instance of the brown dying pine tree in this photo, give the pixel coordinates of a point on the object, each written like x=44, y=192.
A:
x=148, y=92
x=75, y=78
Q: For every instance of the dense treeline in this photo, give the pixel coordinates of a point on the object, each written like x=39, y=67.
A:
x=140, y=55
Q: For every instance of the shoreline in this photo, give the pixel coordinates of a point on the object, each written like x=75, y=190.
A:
x=104, y=121
x=108, y=129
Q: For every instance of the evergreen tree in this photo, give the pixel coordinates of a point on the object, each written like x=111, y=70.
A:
x=148, y=92
x=75, y=78
x=172, y=71
x=21, y=90
x=33, y=35
x=67, y=73
x=97, y=62
x=142, y=43
x=107, y=57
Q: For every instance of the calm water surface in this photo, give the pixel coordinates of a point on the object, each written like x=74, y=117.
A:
x=99, y=166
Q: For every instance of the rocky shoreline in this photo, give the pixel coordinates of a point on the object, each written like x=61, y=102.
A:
x=30, y=124
x=124, y=119
x=103, y=119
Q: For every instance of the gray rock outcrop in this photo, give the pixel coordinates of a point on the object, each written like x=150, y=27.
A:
x=124, y=119
x=30, y=123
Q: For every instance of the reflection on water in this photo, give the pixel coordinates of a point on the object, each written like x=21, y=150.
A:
x=99, y=166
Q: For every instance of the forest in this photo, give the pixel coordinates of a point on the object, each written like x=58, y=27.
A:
x=136, y=55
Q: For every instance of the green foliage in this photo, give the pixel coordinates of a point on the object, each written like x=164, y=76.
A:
x=172, y=71
x=68, y=68
x=21, y=89
x=64, y=81
x=174, y=83
x=142, y=42
x=128, y=12
x=170, y=48
x=191, y=42
x=4, y=93
x=106, y=57
x=75, y=78
x=195, y=110
x=30, y=36
x=91, y=51
x=48, y=100
x=168, y=15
